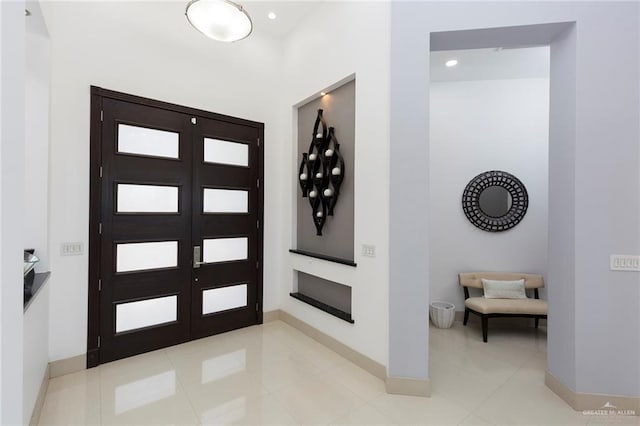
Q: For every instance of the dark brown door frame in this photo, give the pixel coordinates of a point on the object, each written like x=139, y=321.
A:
x=95, y=197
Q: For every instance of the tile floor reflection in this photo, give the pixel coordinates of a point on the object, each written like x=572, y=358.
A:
x=273, y=374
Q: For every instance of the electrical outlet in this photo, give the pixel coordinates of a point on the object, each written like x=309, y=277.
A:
x=368, y=250
x=624, y=262
x=71, y=249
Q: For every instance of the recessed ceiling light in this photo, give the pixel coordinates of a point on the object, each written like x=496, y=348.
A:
x=451, y=63
x=323, y=93
x=272, y=15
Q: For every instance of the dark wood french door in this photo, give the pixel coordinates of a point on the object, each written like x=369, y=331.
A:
x=175, y=225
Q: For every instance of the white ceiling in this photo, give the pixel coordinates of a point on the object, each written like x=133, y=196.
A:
x=491, y=64
x=165, y=19
x=165, y=22
x=289, y=14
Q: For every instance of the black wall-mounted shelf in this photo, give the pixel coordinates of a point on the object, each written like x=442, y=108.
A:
x=38, y=281
x=324, y=257
x=323, y=307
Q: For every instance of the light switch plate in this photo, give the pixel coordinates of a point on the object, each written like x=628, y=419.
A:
x=624, y=262
x=71, y=249
x=368, y=250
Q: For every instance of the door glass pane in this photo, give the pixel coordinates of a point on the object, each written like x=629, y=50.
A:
x=144, y=256
x=224, y=152
x=150, y=142
x=224, y=298
x=225, y=201
x=147, y=198
x=144, y=391
x=145, y=313
x=224, y=249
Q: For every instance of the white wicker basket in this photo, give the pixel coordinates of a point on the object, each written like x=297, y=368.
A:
x=442, y=314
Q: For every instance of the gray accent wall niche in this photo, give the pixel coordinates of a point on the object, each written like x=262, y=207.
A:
x=328, y=296
x=336, y=241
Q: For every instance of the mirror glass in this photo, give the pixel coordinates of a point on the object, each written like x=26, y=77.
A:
x=495, y=201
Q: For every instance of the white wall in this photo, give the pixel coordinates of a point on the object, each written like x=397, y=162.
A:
x=478, y=126
x=107, y=44
x=12, y=148
x=598, y=172
x=36, y=200
x=35, y=212
x=408, y=208
x=162, y=65
x=253, y=79
x=328, y=46
x=561, y=334
x=36, y=181
x=607, y=162
x=36, y=350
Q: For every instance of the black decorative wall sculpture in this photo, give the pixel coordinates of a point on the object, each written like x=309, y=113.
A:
x=321, y=172
x=516, y=201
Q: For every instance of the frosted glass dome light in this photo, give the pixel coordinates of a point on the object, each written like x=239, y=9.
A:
x=220, y=20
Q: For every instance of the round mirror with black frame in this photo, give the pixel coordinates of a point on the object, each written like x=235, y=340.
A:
x=495, y=201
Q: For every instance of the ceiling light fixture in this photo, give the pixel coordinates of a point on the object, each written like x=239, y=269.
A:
x=323, y=93
x=272, y=15
x=451, y=63
x=221, y=20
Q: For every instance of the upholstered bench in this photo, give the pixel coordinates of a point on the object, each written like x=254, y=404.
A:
x=487, y=308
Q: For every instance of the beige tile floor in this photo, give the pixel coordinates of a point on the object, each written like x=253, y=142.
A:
x=274, y=374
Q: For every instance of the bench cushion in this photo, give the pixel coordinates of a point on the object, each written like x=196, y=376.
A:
x=507, y=306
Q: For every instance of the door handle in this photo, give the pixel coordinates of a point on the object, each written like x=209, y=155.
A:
x=196, y=257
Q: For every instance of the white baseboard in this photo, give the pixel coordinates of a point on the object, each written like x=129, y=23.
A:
x=411, y=387
x=67, y=365
x=42, y=393
x=352, y=355
x=271, y=316
x=593, y=403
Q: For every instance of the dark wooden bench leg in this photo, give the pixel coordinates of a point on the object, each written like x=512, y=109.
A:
x=537, y=322
x=466, y=317
x=485, y=326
